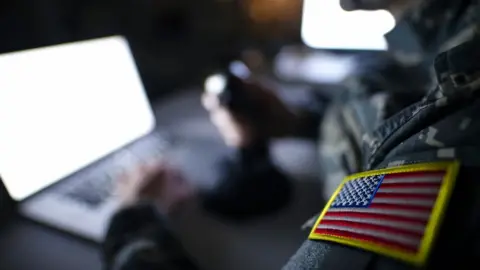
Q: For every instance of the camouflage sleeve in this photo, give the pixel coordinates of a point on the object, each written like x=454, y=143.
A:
x=138, y=238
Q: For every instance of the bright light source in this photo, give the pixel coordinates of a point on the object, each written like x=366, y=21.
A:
x=64, y=107
x=215, y=84
x=325, y=25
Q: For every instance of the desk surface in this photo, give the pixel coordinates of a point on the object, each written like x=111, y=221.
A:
x=25, y=245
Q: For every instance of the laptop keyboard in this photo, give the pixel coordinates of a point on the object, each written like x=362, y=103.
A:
x=97, y=185
x=93, y=191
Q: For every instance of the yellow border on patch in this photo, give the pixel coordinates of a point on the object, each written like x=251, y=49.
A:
x=432, y=227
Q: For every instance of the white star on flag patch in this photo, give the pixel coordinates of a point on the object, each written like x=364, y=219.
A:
x=394, y=212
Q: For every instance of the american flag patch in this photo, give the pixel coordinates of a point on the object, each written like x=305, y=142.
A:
x=394, y=212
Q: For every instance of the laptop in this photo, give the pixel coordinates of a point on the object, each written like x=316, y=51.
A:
x=72, y=118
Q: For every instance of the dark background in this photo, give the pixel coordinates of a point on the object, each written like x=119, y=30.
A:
x=175, y=42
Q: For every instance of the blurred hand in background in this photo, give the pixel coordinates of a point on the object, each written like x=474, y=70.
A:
x=158, y=183
x=273, y=121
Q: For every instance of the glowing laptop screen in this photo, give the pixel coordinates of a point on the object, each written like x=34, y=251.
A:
x=65, y=106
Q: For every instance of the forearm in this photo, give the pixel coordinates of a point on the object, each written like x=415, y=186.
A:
x=139, y=238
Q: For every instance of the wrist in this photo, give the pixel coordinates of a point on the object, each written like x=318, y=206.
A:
x=145, y=203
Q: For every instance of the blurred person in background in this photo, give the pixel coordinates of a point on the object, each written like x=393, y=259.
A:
x=251, y=185
x=370, y=128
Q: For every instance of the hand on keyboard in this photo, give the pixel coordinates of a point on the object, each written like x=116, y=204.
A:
x=95, y=186
x=156, y=182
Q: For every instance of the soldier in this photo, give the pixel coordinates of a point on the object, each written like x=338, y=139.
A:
x=415, y=202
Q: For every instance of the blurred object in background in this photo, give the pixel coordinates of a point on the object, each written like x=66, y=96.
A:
x=268, y=11
x=270, y=24
x=299, y=64
x=255, y=60
x=326, y=25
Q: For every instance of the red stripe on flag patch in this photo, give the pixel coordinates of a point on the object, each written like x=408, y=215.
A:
x=367, y=216
x=358, y=225
x=425, y=209
x=370, y=239
x=406, y=196
x=411, y=185
x=419, y=174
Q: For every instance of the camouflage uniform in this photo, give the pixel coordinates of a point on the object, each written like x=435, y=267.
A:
x=379, y=92
x=442, y=126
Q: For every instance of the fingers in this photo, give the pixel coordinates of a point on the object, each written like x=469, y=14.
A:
x=136, y=179
x=233, y=131
x=175, y=192
x=157, y=182
x=210, y=102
